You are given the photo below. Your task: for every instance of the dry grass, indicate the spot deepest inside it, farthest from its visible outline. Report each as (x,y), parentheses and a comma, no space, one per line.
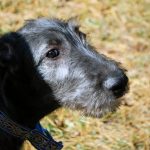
(120,29)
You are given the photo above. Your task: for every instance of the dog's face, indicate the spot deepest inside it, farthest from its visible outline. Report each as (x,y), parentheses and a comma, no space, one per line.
(80,78)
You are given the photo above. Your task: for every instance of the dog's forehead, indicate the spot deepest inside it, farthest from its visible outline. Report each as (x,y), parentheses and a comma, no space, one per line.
(38,34)
(40,30)
(41,33)
(38,25)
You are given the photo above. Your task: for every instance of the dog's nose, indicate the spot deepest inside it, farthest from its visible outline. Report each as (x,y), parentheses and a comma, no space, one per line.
(117,84)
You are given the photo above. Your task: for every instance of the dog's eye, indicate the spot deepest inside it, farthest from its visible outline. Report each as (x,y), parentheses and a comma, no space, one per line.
(52,53)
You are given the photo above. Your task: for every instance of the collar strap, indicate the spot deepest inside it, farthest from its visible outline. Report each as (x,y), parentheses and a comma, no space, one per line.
(39,137)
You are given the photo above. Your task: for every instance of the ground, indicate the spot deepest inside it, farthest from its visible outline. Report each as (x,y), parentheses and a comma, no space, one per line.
(119,29)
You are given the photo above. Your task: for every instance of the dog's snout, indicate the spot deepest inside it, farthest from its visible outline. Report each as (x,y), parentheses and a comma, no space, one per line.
(117,84)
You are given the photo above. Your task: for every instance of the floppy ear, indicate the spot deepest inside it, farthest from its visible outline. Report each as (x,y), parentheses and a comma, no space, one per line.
(8,46)
(5,54)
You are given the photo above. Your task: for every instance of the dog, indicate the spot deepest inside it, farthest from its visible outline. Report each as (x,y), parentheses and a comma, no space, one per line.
(47,64)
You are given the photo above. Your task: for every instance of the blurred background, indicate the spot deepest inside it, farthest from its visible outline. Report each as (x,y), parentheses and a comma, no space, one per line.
(121,30)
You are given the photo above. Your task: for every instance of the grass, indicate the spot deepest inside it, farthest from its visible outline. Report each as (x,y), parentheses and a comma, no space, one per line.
(119,29)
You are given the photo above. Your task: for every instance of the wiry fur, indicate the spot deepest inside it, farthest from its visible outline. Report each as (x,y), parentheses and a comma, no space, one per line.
(33,85)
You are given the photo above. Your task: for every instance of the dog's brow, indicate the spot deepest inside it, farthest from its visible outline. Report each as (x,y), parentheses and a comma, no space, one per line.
(55,41)
(69,33)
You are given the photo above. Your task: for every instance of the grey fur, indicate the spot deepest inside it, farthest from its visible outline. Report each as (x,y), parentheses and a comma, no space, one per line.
(79,74)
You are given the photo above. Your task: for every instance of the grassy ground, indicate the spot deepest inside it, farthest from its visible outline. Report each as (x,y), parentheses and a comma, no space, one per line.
(119,29)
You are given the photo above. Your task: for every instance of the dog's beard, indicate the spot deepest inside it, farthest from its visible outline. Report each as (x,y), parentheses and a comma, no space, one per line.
(91,104)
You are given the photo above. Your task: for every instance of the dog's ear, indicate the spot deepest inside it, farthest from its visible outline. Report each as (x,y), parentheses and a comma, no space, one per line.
(7,48)
(5,54)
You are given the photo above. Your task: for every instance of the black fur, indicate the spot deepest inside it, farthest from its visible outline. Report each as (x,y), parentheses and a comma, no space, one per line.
(26,95)
(22,90)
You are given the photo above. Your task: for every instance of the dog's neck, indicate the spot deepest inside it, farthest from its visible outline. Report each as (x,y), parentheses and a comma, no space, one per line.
(24,96)
(26,100)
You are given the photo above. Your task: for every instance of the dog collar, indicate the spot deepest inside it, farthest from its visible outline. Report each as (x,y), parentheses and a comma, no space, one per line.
(39,137)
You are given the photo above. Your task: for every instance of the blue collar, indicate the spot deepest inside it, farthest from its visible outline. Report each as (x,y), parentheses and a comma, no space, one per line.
(39,137)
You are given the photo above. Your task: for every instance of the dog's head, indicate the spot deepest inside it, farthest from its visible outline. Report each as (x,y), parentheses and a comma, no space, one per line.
(79,77)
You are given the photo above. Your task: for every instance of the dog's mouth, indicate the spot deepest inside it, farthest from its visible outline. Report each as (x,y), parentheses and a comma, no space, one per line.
(97,104)
(96,110)
(99,113)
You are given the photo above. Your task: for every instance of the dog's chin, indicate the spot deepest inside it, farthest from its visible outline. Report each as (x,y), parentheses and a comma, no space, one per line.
(97,114)
(101,111)
(96,109)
